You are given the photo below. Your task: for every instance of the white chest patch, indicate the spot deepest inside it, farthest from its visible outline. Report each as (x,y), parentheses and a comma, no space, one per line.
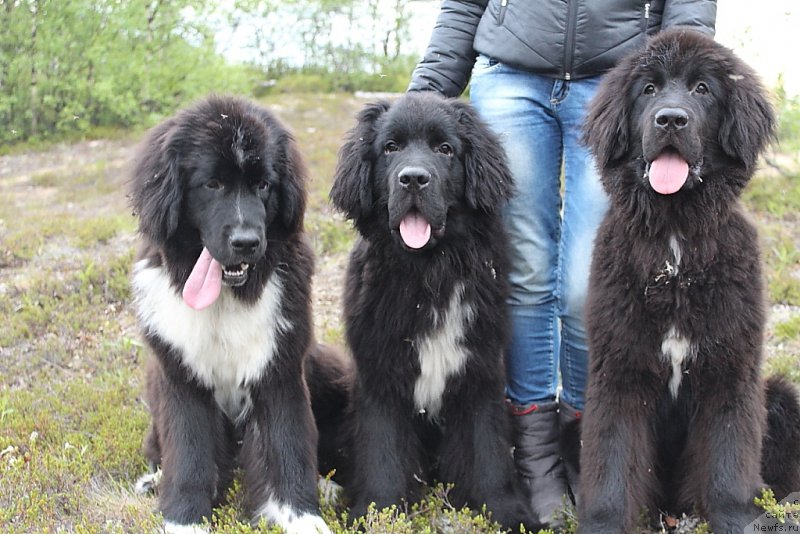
(675,247)
(673,264)
(226,346)
(442,352)
(676,349)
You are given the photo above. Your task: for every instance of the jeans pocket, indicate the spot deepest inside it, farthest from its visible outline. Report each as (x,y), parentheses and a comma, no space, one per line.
(484,65)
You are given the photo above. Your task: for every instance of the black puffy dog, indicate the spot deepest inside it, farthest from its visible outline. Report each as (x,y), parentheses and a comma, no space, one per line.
(676,411)
(423,180)
(222,289)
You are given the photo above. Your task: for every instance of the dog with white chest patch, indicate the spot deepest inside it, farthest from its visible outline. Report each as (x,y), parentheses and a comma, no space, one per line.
(222,293)
(423,180)
(678,417)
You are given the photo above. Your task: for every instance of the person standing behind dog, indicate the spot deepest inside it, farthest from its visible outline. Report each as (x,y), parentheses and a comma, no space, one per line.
(534,65)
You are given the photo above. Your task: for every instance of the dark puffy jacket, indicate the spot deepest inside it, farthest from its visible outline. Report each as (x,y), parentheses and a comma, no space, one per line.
(567,39)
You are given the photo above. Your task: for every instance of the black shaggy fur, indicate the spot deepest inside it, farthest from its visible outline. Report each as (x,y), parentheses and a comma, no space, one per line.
(220,169)
(434,156)
(700,450)
(330,375)
(782,439)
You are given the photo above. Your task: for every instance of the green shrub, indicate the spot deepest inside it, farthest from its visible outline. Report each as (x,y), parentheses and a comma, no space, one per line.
(388,76)
(788,109)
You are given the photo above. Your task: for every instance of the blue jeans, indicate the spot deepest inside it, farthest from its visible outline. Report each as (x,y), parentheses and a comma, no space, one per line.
(551,227)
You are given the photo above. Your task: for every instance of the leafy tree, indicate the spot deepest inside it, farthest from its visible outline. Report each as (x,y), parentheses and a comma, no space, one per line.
(67,66)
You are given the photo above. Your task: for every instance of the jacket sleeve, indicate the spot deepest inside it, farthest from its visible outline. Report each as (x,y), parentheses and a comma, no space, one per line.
(698,14)
(448,60)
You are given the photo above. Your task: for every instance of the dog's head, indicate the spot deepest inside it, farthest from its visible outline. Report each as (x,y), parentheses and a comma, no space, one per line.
(414,165)
(223,175)
(683,111)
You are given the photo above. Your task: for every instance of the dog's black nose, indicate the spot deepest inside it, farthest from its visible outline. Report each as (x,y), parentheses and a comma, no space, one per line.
(244,240)
(414,177)
(672,119)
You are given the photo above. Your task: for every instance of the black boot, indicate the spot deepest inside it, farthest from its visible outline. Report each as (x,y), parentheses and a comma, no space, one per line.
(538,460)
(569,426)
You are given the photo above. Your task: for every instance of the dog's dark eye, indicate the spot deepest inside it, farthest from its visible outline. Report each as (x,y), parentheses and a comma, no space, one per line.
(701,88)
(214,184)
(263,185)
(649,89)
(390,147)
(445,149)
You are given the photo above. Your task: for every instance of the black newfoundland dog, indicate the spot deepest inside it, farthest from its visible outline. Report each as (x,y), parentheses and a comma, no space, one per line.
(676,409)
(222,292)
(423,180)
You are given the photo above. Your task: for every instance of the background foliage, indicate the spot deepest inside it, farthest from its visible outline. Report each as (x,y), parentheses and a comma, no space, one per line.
(69,66)
(73,67)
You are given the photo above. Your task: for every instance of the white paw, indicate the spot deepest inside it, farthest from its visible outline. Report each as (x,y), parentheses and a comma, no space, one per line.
(306,524)
(174,528)
(290,521)
(147,483)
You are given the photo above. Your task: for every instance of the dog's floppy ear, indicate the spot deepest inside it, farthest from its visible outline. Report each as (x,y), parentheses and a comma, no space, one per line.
(748,119)
(607,125)
(488,179)
(352,181)
(292,171)
(156,192)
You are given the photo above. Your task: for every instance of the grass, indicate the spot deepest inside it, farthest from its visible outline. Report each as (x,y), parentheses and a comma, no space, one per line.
(784,364)
(775,200)
(775,194)
(66,303)
(71,364)
(788,330)
(95,133)
(782,261)
(62,444)
(70,207)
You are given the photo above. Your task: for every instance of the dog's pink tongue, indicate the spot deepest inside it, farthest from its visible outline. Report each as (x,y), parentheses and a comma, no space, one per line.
(204,283)
(415,230)
(668,173)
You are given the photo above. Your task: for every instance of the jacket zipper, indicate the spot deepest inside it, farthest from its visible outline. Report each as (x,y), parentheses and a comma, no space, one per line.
(646,15)
(569,49)
(502,15)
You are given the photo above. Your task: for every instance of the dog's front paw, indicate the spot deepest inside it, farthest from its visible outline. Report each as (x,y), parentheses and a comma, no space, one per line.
(290,520)
(307,524)
(147,483)
(174,528)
